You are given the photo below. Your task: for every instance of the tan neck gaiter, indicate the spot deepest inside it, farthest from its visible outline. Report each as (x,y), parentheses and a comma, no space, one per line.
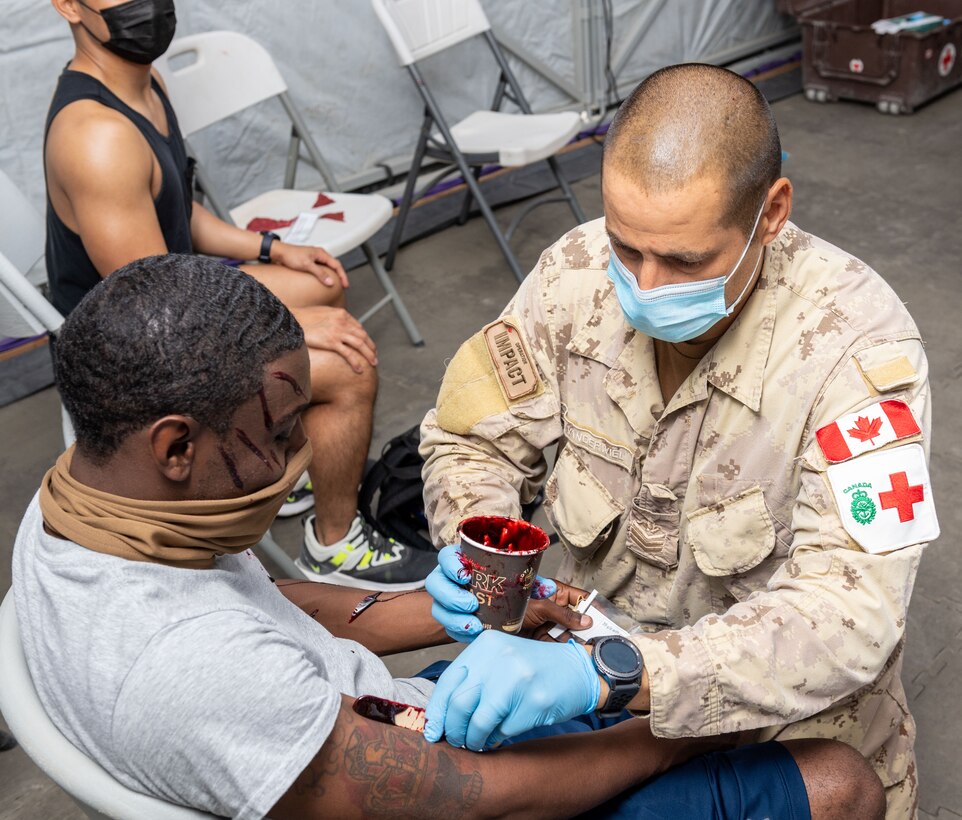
(175,533)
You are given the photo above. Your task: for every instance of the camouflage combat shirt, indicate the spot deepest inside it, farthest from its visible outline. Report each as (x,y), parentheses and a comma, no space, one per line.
(710,520)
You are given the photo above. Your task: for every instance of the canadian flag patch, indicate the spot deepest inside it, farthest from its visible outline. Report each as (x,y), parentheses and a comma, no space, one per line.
(867,429)
(885,499)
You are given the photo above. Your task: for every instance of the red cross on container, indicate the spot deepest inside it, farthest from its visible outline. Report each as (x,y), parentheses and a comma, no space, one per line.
(902,496)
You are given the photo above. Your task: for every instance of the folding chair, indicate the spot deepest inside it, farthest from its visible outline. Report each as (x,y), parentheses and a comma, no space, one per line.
(21,245)
(22,233)
(231,72)
(421,28)
(96,791)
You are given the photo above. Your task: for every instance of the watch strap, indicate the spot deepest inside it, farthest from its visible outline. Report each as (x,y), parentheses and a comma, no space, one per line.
(619,696)
(267,239)
(621,689)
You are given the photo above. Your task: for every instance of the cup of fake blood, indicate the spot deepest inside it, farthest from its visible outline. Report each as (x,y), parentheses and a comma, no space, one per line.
(503,556)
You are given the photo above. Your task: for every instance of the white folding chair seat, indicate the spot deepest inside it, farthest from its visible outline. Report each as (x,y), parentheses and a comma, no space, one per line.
(91,786)
(421,28)
(514,139)
(364,215)
(231,72)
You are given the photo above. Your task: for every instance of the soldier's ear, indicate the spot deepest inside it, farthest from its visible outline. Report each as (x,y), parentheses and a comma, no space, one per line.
(778,209)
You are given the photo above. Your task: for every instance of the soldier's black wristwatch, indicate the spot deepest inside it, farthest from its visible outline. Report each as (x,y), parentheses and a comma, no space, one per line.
(267,240)
(619,662)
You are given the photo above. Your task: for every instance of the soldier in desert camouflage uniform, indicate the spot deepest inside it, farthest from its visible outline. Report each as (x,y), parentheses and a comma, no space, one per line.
(690,486)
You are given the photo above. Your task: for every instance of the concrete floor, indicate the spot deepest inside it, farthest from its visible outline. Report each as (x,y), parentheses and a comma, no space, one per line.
(884,188)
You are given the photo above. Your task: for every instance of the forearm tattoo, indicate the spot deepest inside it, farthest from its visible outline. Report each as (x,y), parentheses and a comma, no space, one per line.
(393,773)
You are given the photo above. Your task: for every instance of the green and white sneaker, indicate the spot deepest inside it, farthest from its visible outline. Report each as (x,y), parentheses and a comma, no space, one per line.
(300,500)
(364,559)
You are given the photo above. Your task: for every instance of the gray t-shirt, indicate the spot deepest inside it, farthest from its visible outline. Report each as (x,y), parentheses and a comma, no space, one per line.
(206,688)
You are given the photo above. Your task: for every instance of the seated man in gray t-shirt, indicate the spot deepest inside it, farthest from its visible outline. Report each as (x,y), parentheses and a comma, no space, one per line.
(160,646)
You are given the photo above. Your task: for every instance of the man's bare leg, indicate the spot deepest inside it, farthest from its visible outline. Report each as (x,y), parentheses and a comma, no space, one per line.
(839,781)
(295,288)
(340,418)
(339,424)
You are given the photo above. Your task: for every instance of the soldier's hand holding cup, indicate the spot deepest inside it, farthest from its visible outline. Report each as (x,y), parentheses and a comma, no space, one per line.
(454,604)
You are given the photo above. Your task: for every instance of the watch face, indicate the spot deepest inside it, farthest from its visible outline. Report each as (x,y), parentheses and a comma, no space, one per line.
(618,656)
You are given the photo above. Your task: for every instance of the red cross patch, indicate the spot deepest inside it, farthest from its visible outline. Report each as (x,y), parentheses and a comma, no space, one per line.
(884,498)
(902,497)
(947,60)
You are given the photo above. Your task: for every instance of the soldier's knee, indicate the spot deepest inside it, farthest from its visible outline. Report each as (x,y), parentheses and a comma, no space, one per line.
(838,780)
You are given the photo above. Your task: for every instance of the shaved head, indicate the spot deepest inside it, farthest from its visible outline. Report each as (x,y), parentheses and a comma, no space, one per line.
(695,121)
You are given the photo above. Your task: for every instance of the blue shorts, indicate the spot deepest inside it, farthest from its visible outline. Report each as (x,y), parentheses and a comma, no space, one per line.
(750,783)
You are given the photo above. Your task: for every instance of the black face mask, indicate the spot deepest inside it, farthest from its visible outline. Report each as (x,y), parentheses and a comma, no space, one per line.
(140,30)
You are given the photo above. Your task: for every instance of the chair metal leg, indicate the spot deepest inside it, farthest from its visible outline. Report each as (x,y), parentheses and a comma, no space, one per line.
(527,209)
(284,562)
(475,187)
(408,199)
(566,188)
(468,200)
(395,298)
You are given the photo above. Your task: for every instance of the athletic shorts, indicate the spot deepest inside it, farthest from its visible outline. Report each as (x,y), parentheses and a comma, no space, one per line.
(758,782)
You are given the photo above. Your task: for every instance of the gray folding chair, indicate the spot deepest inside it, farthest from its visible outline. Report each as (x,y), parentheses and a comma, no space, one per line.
(22,239)
(214,75)
(420,28)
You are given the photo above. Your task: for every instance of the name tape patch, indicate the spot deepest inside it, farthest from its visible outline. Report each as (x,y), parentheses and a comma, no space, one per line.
(885,499)
(867,429)
(599,445)
(511,360)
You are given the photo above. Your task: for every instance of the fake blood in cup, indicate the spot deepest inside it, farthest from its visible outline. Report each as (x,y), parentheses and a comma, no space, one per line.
(503,556)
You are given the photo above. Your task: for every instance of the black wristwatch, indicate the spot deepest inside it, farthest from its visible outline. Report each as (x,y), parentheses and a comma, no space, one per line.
(619,662)
(267,240)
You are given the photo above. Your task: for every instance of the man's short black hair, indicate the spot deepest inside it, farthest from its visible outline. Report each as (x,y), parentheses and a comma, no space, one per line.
(693,119)
(173,334)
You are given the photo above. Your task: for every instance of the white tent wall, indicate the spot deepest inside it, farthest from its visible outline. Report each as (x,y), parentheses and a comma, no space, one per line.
(342,72)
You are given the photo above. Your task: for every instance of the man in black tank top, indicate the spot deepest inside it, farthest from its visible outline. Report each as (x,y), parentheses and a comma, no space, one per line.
(119,189)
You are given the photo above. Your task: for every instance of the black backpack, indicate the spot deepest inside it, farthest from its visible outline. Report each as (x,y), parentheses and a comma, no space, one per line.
(391,497)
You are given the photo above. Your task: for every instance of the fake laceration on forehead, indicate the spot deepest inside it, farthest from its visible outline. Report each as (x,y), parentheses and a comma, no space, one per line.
(287,377)
(231,468)
(268,418)
(245,440)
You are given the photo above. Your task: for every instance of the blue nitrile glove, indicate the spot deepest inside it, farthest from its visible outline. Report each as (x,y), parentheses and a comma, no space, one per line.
(453,604)
(503,685)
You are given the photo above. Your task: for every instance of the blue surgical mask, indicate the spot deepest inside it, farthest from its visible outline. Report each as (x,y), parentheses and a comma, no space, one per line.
(679,312)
